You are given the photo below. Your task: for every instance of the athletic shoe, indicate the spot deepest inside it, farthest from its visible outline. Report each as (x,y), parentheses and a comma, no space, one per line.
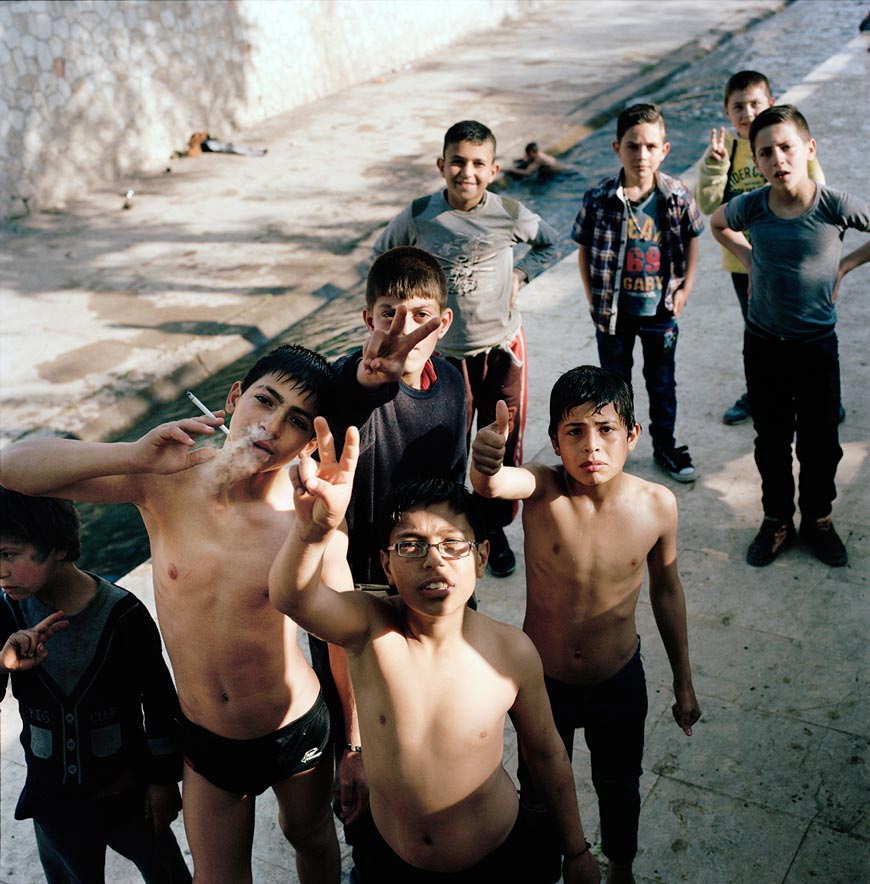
(677,463)
(739,412)
(820,536)
(773,536)
(502,560)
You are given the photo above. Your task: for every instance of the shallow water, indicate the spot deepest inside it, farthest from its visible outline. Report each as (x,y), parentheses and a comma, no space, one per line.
(785,47)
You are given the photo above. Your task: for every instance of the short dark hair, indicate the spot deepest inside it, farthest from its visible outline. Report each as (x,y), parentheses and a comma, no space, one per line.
(773,116)
(636,114)
(589,383)
(468,130)
(309,371)
(743,80)
(427,493)
(49,523)
(532,147)
(406,272)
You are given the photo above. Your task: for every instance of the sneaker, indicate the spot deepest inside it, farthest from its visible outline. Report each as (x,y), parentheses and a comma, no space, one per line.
(772,537)
(739,412)
(820,536)
(502,560)
(677,463)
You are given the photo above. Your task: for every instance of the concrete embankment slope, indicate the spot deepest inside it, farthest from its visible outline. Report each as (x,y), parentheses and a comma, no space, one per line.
(107,310)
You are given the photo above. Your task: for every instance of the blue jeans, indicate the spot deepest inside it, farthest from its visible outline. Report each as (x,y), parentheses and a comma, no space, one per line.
(72,847)
(658,339)
(794,387)
(612,715)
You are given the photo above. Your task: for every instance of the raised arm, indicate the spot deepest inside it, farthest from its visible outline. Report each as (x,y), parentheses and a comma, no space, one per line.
(712,173)
(103,472)
(669,607)
(733,240)
(488,475)
(321,495)
(548,762)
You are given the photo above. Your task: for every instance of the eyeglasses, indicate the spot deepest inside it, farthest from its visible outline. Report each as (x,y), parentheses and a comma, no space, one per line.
(418,549)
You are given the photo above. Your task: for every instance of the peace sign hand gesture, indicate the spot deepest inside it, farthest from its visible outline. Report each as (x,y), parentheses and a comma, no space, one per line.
(322,490)
(717,151)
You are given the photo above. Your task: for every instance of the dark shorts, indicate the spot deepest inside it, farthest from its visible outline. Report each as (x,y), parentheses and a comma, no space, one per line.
(249,767)
(512,862)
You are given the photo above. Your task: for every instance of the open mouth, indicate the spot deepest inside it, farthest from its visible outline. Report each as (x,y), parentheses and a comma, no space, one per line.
(434,588)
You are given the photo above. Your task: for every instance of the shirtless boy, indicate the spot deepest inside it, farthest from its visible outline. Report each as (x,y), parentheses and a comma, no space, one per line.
(434,680)
(589,527)
(253,713)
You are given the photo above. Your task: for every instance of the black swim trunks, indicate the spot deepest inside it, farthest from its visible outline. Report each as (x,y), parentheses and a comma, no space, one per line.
(249,767)
(512,862)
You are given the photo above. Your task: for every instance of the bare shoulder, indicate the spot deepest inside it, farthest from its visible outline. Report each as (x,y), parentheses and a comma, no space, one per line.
(514,649)
(657,500)
(549,482)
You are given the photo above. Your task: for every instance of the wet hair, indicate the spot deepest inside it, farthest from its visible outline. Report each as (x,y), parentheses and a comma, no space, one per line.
(406,272)
(468,130)
(425,493)
(532,147)
(773,116)
(48,523)
(743,80)
(309,371)
(589,383)
(636,114)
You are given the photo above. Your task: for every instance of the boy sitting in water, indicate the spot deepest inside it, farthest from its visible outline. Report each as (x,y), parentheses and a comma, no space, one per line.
(86,666)
(253,714)
(434,680)
(589,530)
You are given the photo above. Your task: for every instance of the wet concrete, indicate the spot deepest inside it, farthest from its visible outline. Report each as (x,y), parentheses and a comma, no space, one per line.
(773,786)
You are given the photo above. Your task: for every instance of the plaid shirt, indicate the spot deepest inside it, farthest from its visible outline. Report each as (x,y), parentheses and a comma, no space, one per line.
(600,226)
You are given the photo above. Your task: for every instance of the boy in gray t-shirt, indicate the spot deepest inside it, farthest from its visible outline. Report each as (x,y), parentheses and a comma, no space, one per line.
(790,346)
(472,233)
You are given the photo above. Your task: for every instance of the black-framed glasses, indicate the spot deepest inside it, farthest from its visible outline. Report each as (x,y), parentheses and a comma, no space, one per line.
(419,549)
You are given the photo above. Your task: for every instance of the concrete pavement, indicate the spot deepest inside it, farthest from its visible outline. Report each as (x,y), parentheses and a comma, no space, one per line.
(773,786)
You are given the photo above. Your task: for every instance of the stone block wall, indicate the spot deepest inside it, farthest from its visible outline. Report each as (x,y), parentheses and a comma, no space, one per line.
(91,90)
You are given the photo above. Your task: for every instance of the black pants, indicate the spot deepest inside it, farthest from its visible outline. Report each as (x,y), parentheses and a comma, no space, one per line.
(72,848)
(612,715)
(794,387)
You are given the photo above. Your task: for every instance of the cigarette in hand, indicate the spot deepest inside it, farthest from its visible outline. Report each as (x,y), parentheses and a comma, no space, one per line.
(207,412)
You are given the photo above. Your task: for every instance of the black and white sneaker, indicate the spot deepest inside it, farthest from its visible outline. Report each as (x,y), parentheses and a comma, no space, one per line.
(677,463)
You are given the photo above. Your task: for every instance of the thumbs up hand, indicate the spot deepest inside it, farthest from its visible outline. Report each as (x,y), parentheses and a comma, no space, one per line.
(488,448)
